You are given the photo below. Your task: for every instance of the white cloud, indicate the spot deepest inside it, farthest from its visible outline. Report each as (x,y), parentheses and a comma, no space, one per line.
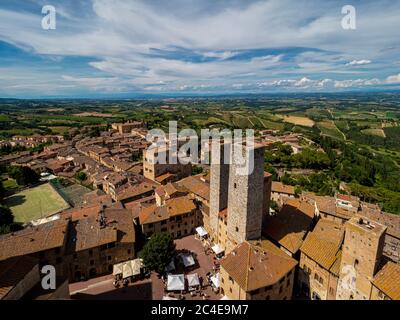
(393,79)
(358,62)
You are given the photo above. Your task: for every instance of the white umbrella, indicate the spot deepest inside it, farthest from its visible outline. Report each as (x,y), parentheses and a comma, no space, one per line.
(117,269)
(215,280)
(193,280)
(217,249)
(201,231)
(136,266)
(187,260)
(176,282)
(127,270)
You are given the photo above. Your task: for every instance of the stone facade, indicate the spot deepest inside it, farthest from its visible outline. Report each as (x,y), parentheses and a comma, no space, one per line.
(219,182)
(362,252)
(245,198)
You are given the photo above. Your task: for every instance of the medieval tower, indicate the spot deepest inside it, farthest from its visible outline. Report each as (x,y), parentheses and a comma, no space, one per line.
(219,182)
(361,256)
(246,197)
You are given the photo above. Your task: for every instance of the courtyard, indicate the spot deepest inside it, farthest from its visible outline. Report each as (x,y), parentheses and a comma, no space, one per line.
(152,288)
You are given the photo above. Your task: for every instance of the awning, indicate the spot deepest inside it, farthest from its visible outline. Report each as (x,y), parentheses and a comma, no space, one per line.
(217,249)
(127,270)
(168,298)
(215,280)
(224,298)
(176,282)
(136,266)
(193,280)
(187,260)
(170,267)
(201,231)
(117,269)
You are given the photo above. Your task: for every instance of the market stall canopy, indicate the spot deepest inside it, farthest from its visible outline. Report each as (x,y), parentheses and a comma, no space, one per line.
(215,280)
(201,231)
(187,260)
(127,270)
(136,266)
(169,298)
(117,269)
(217,249)
(224,298)
(193,280)
(176,282)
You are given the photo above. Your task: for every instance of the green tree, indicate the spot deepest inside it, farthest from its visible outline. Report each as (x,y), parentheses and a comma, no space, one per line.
(196,170)
(6,216)
(158,252)
(81,176)
(23,175)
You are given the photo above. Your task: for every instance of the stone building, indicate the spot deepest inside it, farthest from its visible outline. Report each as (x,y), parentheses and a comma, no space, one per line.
(127,127)
(281,190)
(158,167)
(288,228)
(219,182)
(45,242)
(245,197)
(17,276)
(320,261)
(99,241)
(178,216)
(361,257)
(257,270)
(386,284)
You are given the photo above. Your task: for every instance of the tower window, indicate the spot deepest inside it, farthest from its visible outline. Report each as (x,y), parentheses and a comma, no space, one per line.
(237,229)
(235,185)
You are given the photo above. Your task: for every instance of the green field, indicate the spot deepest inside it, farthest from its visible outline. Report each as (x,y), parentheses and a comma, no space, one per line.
(329,128)
(35,203)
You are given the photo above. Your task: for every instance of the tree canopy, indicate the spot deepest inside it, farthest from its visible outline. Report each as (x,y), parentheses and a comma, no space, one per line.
(158,252)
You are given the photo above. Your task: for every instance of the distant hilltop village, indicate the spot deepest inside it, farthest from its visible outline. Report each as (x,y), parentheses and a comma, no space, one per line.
(318,247)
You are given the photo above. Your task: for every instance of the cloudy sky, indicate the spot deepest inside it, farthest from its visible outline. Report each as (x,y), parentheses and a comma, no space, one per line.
(128,47)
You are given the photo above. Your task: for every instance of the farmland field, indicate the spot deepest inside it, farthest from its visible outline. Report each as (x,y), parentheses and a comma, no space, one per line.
(329,128)
(374,132)
(35,203)
(301,121)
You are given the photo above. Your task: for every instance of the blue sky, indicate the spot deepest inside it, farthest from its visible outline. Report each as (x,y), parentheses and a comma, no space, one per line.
(121,47)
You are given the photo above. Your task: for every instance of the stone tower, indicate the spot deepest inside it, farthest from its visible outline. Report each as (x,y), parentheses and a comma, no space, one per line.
(246,199)
(361,255)
(219,182)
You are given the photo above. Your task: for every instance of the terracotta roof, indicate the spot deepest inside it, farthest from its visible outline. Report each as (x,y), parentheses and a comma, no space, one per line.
(164,176)
(181,205)
(172,207)
(279,187)
(290,226)
(13,270)
(258,264)
(392,221)
(87,233)
(136,190)
(197,185)
(387,280)
(323,244)
(172,189)
(34,239)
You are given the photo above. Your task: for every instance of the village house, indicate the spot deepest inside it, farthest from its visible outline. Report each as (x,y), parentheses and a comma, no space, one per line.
(99,241)
(257,270)
(278,190)
(178,216)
